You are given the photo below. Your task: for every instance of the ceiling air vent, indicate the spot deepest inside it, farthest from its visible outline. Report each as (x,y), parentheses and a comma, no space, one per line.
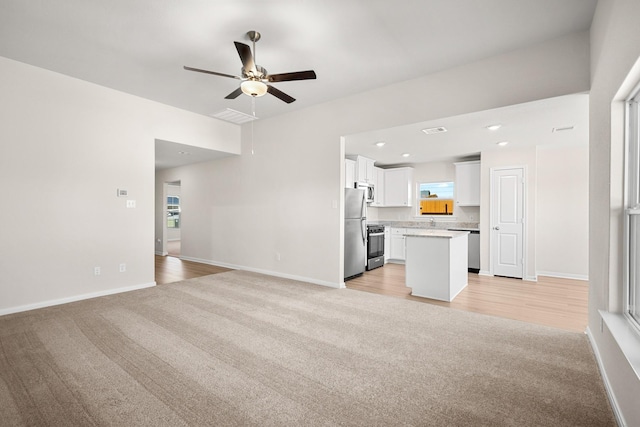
(233,116)
(561,129)
(431,131)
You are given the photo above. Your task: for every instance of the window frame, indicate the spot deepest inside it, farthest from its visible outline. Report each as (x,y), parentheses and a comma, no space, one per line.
(173,207)
(419,198)
(631,259)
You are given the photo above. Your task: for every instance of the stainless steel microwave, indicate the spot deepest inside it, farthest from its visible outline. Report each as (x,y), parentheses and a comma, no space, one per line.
(369,190)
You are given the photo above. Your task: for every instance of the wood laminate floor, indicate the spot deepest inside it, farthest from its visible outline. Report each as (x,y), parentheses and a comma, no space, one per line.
(560,303)
(171,269)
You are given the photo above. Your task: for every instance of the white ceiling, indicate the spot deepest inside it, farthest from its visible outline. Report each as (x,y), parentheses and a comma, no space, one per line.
(171,154)
(523,125)
(140,46)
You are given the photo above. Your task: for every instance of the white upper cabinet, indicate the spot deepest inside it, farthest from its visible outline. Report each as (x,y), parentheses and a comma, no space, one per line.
(468,183)
(378,197)
(349,173)
(398,184)
(364,169)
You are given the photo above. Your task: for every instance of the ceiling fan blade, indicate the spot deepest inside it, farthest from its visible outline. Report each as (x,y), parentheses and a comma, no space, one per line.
(297,75)
(233,95)
(211,72)
(247,58)
(280,94)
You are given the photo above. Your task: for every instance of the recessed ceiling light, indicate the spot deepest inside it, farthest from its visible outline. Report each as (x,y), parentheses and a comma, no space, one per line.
(184,153)
(380,144)
(438,129)
(502,143)
(494,127)
(405,154)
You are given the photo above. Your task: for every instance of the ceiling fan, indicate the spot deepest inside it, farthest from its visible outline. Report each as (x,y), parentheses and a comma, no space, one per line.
(254,79)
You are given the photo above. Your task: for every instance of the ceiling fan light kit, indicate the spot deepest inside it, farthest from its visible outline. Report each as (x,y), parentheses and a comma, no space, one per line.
(253,87)
(254,79)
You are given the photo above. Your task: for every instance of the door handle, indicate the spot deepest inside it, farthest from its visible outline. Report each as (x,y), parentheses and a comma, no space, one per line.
(496,228)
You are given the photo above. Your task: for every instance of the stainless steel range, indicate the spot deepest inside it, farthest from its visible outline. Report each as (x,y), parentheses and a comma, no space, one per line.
(375,246)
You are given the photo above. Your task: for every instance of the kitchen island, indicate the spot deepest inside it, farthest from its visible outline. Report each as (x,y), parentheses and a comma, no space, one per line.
(436,263)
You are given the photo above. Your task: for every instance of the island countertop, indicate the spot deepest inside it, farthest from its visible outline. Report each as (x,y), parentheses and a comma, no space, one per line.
(447,234)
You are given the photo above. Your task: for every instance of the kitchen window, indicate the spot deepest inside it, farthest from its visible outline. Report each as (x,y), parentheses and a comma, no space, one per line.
(632,211)
(436,198)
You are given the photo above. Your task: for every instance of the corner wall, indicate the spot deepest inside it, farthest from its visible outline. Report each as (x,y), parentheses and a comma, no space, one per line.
(615,41)
(562,212)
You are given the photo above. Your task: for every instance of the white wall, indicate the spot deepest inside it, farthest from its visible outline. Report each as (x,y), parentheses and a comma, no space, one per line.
(67,146)
(562,212)
(615,41)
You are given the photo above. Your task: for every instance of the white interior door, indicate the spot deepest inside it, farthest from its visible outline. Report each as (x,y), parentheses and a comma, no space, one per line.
(507,222)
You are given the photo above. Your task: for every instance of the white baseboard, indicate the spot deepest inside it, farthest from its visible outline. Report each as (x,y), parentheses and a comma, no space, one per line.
(563,275)
(607,385)
(261,271)
(484,273)
(74,298)
(162,253)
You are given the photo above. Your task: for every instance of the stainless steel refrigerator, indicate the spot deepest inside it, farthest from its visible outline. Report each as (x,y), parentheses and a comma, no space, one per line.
(355,232)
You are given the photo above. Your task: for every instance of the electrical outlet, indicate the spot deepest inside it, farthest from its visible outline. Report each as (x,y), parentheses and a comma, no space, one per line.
(278,256)
(96,271)
(131,203)
(123,268)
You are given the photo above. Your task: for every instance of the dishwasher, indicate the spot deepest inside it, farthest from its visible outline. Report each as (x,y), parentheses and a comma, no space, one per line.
(473,248)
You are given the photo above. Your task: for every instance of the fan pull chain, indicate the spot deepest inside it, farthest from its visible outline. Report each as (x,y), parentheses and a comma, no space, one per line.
(253,111)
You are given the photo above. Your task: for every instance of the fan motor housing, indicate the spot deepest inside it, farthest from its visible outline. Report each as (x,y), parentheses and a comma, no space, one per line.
(260,75)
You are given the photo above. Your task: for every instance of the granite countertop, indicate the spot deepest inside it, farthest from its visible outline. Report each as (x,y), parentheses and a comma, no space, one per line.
(435,233)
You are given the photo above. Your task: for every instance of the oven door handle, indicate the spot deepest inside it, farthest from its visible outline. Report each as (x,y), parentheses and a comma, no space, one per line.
(376,234)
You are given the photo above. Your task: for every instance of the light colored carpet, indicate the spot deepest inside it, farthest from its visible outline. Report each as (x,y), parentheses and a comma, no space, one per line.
(238,348)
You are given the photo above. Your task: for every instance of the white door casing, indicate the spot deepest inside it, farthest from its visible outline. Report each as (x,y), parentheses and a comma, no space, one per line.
(507,222)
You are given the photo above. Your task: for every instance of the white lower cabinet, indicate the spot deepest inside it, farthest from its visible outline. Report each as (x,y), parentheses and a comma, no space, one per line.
(397,244)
